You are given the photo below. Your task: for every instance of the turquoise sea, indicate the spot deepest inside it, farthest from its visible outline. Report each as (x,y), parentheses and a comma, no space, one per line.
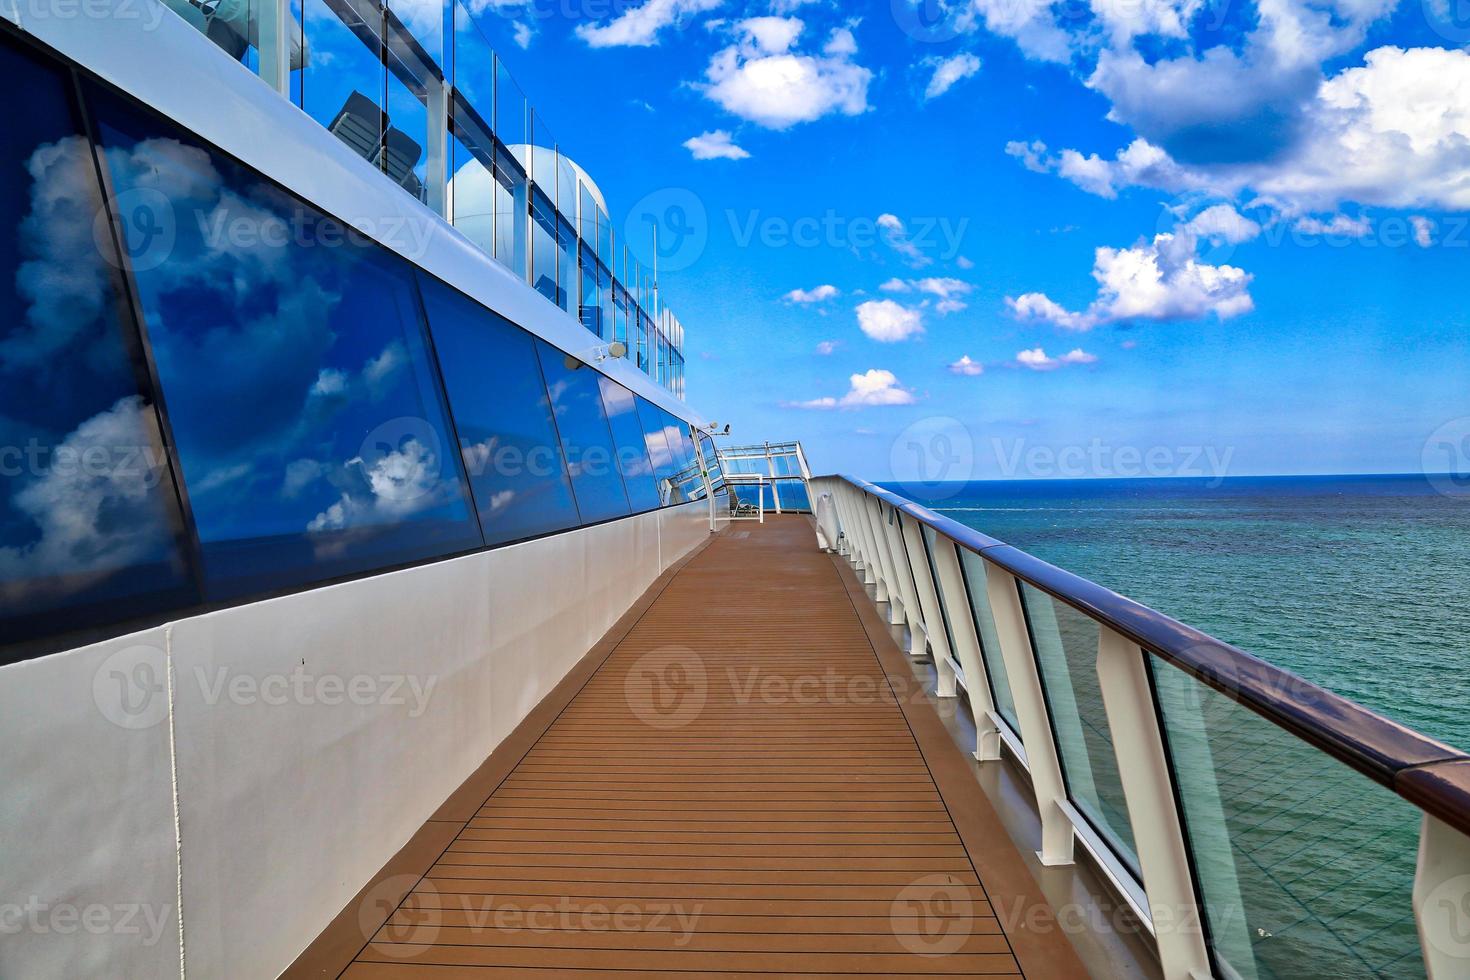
(1358,583)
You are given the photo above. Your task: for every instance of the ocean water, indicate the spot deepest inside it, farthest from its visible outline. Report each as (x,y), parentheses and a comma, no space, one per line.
(1361,584)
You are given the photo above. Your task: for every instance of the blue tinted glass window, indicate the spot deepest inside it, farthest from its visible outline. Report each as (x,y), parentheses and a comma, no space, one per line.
(632,447)
(304,406)
(711,461)
(89,519)
(660,454)
(544,251)
(586,440)
(503,418)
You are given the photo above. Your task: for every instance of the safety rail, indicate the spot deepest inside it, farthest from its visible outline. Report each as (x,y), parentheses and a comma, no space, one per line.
(784,466)
(1248,849)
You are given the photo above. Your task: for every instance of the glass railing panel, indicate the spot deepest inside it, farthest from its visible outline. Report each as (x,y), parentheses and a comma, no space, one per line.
(931,542)
(233,25)
(792,494)
(474,64)
(973,568)
(544,249)
(1305,867)
(344,83)
(411,74)
(472,189)
(1065,642)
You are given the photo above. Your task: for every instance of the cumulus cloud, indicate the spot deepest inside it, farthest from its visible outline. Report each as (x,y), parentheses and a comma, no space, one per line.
(889,322)
(764,79)
(1391,132)
(817,294)
(1037,360)
(716,144)
(967,367)
(641,26)
(949,72)
(401,482)
(874,387)
(1159,280)
(1222,223)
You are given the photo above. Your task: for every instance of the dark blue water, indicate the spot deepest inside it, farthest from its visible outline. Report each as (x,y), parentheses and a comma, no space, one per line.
(1359,583)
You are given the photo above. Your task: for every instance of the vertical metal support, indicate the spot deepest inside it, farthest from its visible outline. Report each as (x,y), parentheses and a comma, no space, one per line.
(903,577)
(858,531)
(1057,835)
(273,37)
(885,559)
(1442,899)
(967,648)
(926,591)
(882,586)
(436,164)
(1148,788)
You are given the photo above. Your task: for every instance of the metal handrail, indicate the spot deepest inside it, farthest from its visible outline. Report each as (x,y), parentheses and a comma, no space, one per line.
(920,578)
(1428,773)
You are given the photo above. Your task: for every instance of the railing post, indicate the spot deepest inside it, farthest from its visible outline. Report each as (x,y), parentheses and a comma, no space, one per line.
(1148,788)
(436,162)
(927,593)
(857,516)
(967,648)
(898,599)
(1442,899)
(903,575)
(886,590)
(273,41)
(1057,836)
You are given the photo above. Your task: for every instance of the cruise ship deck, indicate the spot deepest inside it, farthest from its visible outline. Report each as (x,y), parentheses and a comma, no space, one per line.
(738,781)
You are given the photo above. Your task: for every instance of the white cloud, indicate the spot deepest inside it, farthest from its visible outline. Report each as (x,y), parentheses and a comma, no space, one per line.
(874,387)
(640,26)
(1391,132)
(1037,360)
(1423,230)
(716,144)
(827,347)
(967,367)
(523,34)
(948,72)
(896,236)
(817,294)
(763,79)
(1158,280)
(888,322)
(896,285)
(964,263)
(945,289)
(1338,226)
(1222,223)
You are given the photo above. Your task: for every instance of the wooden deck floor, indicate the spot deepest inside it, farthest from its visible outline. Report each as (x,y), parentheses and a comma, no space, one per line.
(736,791)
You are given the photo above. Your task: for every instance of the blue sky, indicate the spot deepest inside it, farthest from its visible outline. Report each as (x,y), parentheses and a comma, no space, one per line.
(997,238)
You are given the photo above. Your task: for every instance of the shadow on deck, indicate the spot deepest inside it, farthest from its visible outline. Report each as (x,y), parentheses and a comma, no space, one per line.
(742,779)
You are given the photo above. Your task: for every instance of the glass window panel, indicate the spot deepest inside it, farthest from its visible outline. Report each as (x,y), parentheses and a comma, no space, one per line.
(566,264)
(632,446)
(586,440)
(344,84)
(89,521)
(305,410)
(973,567)
(543,248)
(661,445)
(1306,868)
(711,461)
(1065,642)
(793,494)
(503,418)
(590,312)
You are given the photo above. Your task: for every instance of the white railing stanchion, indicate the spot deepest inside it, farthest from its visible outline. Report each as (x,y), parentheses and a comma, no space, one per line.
(967,648)
(1057,836)
(1148,788)
(1442,899)
(903,576)
(885,590)
(926,591)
